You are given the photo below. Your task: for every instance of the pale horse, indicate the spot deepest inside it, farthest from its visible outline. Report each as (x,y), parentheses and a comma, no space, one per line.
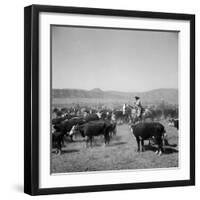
(134,116)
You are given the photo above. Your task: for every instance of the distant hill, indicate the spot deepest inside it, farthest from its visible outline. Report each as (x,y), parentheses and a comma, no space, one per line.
(153,96)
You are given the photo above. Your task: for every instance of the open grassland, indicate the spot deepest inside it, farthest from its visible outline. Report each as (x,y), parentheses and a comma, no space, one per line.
(118,155)
(69,102)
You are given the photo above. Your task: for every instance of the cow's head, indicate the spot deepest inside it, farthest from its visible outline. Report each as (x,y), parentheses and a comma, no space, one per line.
(72,131)
(132,127)
(99,114)
(171,122)
(78,129)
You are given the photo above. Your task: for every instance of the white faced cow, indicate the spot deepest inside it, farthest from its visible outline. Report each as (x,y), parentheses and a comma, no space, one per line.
(174,123)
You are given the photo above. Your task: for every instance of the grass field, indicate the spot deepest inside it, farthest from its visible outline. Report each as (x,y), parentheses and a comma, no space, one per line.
(119,154)
(69,102)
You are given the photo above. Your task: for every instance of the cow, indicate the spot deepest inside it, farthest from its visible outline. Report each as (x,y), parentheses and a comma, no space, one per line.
(66,125)
(174,122)
(92,117)
(94,128)
(118,116)
(58,120)
(63,129)
(112,128)
(149,130)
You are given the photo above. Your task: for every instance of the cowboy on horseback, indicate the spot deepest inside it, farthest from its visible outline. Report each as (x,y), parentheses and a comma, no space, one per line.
(138,105)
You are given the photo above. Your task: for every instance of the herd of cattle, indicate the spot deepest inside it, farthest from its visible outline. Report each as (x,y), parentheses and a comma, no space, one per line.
(89,125)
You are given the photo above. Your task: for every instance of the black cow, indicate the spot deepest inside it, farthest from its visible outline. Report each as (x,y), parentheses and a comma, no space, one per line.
(62,129)
(66,125)
(118,115)
(91,117)
(174,122)
(149,130)
(66,128)
(94,128)
(58,120)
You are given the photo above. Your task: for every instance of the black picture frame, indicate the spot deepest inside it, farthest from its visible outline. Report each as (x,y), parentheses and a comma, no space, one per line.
(31,98)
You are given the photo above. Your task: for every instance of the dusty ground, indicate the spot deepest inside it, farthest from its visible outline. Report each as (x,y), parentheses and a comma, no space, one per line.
(119,154)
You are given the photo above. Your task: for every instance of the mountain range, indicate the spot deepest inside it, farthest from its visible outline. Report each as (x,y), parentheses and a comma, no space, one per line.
(153,96)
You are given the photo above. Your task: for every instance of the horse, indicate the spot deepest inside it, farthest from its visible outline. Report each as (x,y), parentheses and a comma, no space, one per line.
(132,114)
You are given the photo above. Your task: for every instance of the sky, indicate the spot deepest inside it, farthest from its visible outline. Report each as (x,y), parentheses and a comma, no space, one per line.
(113,59)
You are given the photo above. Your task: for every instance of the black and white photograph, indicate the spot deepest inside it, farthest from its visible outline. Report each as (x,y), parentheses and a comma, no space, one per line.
(114,99)
(109,99)
(99,100)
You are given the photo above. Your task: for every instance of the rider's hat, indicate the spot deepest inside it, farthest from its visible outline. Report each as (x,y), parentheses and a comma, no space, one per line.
(136,97)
